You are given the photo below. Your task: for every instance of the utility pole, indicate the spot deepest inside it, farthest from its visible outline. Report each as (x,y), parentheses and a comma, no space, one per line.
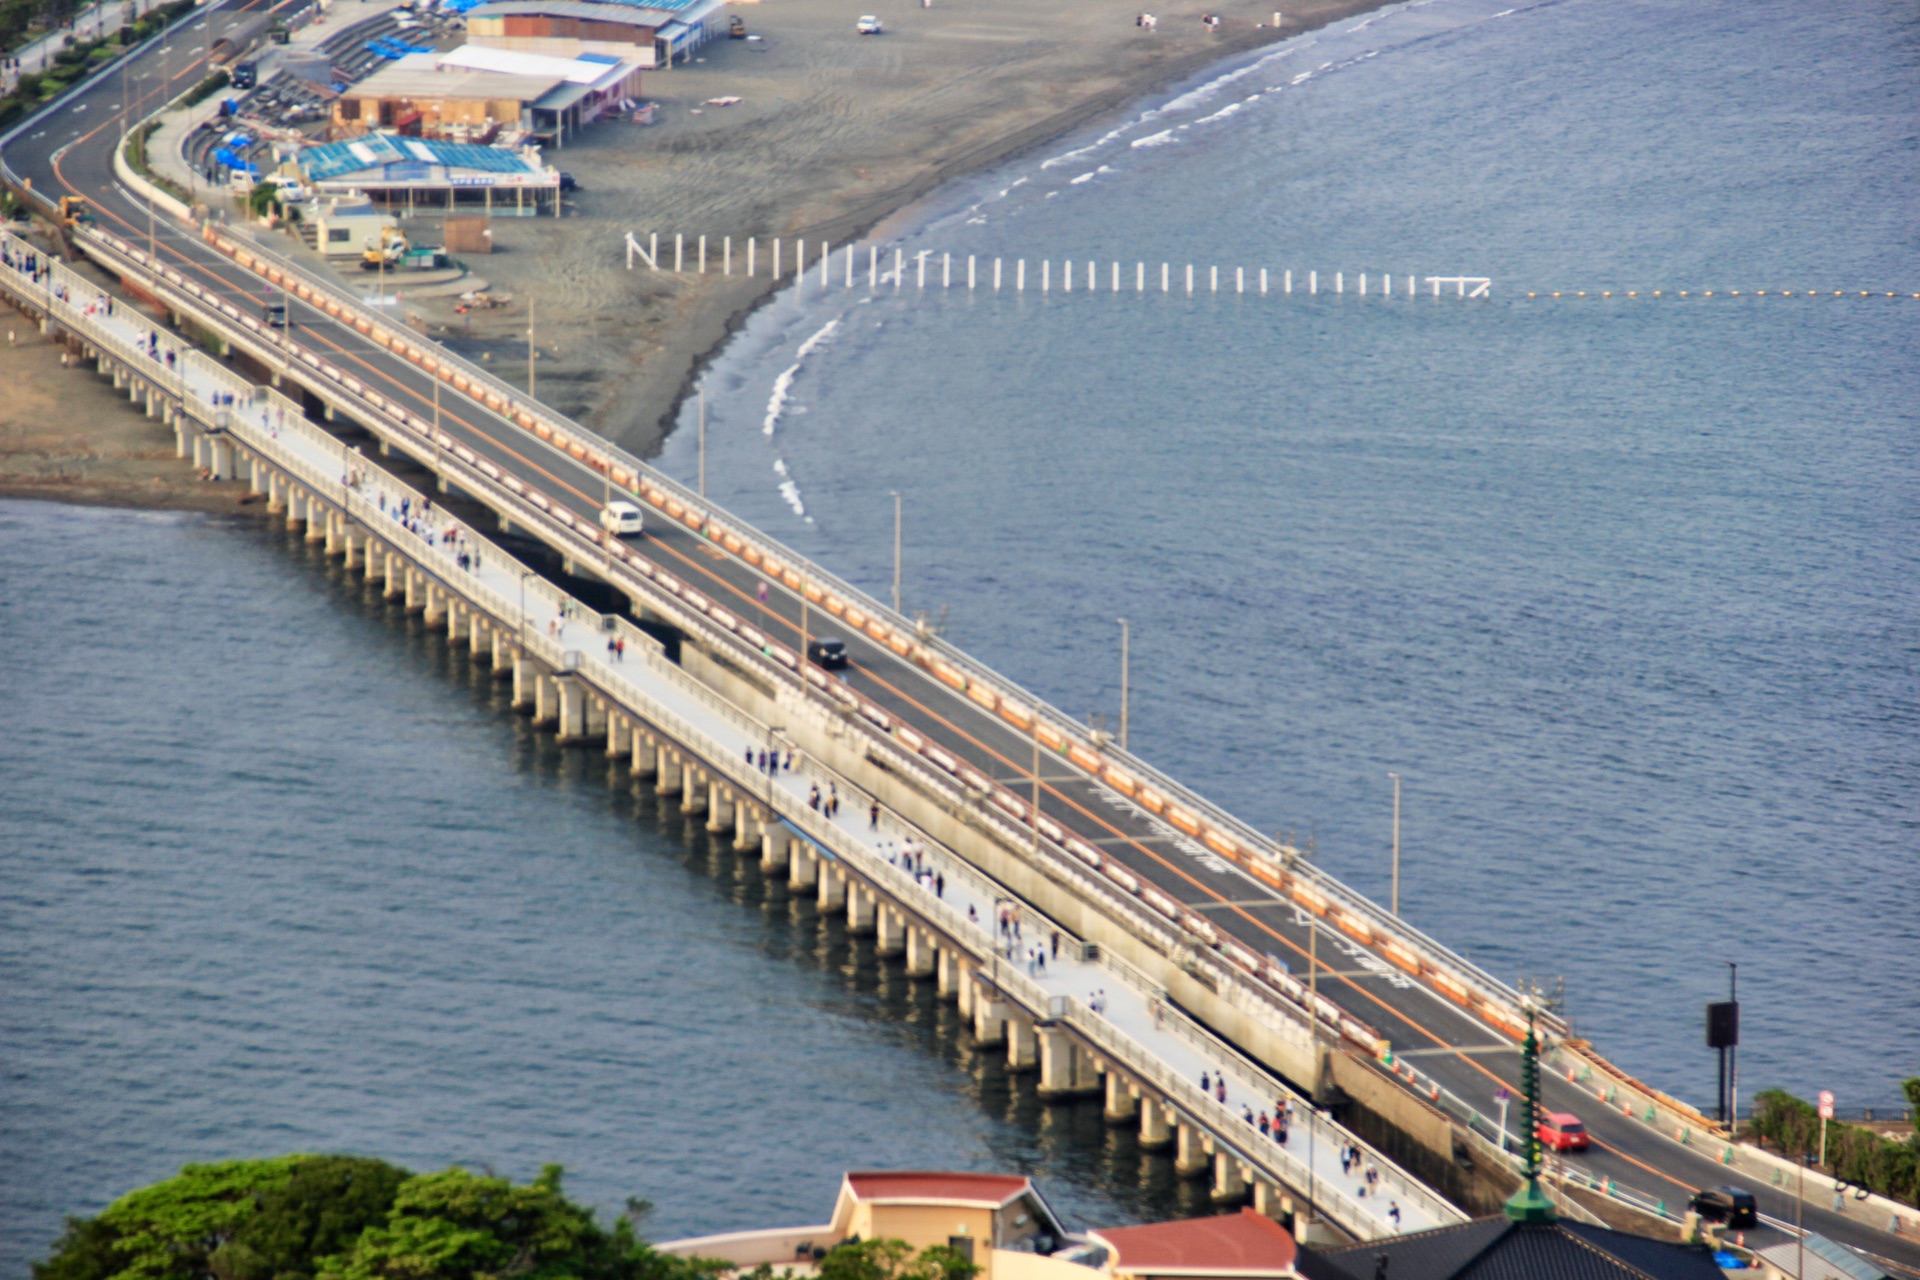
(1396,844)
(1733,1055)
(1126,637)
(702,388)
(530,350)
(1035,815)
(896,551)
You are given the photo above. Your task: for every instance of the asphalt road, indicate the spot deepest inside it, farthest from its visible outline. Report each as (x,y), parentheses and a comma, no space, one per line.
(72,152)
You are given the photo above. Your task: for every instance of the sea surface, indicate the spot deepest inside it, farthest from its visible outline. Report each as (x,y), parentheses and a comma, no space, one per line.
(1627,590)
(282,872)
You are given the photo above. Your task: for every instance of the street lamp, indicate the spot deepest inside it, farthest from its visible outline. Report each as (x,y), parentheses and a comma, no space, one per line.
(896,551)
(702,389)
(1396,844)
(1125,662)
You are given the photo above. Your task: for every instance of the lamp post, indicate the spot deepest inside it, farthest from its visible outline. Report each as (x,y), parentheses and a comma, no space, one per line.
(702,389)
(1733,1056)
(773,763)
(896,551)
(1126,638)
(1396,844)
(530,351)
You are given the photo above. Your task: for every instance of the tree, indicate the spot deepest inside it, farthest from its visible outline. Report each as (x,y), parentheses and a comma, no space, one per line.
(322,1210)
(1911,1087)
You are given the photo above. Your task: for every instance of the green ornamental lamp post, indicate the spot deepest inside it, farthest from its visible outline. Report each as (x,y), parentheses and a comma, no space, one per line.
(1530,1203)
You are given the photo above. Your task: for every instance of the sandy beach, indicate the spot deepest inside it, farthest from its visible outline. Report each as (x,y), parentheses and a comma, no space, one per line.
(834,133)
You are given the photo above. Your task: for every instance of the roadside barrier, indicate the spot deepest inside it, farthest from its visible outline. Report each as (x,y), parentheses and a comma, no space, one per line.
(935,270)
(1675,294)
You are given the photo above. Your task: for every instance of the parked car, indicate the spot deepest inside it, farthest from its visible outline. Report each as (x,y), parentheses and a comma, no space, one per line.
(1729,1205)
(868,25)
(827,652)
(275,314)
(1562,1131)
(621,518)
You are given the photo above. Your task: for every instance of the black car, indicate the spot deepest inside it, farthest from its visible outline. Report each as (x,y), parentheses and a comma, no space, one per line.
(1729,1205)
(827,652)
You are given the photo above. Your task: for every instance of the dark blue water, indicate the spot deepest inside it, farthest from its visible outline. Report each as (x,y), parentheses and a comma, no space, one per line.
(283,873)
(1624,590)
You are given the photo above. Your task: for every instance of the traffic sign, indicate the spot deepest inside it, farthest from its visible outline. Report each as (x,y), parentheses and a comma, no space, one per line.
(1502,1094)
(1826,1105)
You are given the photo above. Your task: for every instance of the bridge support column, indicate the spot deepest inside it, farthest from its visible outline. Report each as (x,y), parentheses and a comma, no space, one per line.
(1156,1132)
(416,589)
(947,974)
(989,1015)
(1229,1182)
(433,602)
(830,888)
(1023,1052)
(922,953)
(502,655)
(596,716)
(202,452)
(1056,1063)
(1123,1099)
(479,635)
(183,434)
(666,772)
(223,459)
(458,631)
(693,789)
(889,937)
(860,908)
(1191,1157)
(746,825)
(646,754)
(1270,1201)
(719,807)
(546,700)
(526,679)
(619,731)
(803,866)
(570,710)
(356,552)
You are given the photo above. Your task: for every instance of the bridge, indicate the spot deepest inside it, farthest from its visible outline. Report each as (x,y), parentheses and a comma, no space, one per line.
(1254,959)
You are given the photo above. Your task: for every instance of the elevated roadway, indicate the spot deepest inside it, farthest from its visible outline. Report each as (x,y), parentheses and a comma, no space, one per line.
(1463,1049)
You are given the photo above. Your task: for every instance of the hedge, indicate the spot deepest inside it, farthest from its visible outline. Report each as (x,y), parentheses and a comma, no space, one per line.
(1854,1155)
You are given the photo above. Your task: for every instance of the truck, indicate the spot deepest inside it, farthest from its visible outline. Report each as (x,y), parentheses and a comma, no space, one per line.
(245,75)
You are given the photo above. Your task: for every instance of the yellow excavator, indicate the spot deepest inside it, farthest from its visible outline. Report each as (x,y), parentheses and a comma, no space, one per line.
(386,251)
(74,211)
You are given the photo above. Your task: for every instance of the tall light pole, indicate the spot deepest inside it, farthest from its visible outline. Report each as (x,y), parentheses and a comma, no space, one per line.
(1126,637)
(1733,1055)
(896,551)
(1396,843)
(530,350)
(703,437)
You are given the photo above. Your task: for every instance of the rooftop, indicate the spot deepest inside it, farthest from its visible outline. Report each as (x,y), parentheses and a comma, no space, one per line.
(1238,1244)
(988,1189)
(336,159)
(1500,1249)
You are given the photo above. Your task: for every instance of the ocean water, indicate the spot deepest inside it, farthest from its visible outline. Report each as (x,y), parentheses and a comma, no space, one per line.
(1624,589)
(281,872)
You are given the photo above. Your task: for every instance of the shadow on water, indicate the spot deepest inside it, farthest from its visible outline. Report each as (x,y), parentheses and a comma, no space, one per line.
(1071,1139)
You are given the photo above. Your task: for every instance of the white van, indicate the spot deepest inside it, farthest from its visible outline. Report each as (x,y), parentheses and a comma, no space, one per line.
(620,518)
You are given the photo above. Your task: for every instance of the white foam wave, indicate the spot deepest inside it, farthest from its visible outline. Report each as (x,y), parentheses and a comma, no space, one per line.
(1159,139)
(790,491)
(783,385)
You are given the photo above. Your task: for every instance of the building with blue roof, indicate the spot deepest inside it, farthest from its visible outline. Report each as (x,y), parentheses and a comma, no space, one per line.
(414,175)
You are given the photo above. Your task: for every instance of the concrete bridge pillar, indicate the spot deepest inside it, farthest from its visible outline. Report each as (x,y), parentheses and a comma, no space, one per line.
(830,888)
(1023,1049)
(355,556)
(989,1015)
(776,850)
(202,451)
(316,517)
(746,825)
(1156,1131)
(149,409)
(802,867)
(1056,1063)
(433,602)
(666,771)
(860,908)
(502,654)
(223,459)
(256,473)
(1123,1099)
(183,434)
(479,634)
(392,574)
(570,710)
(299,505)
(416,589)
(1229,1179)
(546,700)
(596,712)
(720,807)
(1191,1157)
(889,938)
(922,953)
(1269,1201)
(456,622)
(646,754)
(693,789)
(619,735)
(946,979)
(525,679)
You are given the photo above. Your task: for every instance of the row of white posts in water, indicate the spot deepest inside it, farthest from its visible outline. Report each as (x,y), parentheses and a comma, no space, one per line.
(972,273)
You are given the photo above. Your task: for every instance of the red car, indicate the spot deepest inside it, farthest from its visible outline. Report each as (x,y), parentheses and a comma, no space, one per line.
(1562,1131)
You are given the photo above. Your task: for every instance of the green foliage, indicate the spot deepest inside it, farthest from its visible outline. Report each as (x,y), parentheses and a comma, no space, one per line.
(1911,1087)
(895,1260)
(205,89)
(1854,1155)
(307,1217)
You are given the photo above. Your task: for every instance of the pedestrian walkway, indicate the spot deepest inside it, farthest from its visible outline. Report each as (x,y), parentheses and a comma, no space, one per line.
(1115,1006)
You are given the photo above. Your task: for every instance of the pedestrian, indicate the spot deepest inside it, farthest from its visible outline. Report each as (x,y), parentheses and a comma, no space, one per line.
(1206,1082)
(813,796)
(873,816)
(1265,1125)
(1393,1212)
(1056,944)
(1220,1088)
(939,885)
